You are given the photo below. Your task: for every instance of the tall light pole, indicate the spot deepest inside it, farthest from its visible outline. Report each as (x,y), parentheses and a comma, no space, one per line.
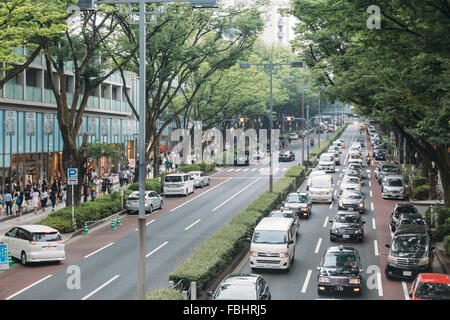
(90,5)
(269,67)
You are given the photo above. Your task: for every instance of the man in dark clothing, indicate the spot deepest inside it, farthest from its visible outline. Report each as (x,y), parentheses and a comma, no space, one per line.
(53,199)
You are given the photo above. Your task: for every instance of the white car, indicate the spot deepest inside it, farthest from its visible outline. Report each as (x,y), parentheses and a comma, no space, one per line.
(313,174)
(178,184)
(200,179)
(321,189)
(327,162)
(35,243)
(152,201)
(293,136)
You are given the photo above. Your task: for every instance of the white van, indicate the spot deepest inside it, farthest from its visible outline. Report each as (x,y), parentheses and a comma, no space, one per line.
(327,162)
(273,244)
(321,189)
(178,184)
(35,243)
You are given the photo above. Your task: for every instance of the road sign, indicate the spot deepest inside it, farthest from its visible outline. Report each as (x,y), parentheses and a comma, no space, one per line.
(4,263)
(72,176)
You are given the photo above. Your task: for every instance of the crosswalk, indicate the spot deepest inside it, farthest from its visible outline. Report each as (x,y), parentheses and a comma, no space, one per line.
(264,169)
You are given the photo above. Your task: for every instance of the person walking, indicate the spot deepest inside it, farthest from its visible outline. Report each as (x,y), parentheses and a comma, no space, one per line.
(121,177)
(19,202)
(35,200)
(85,192)
(8,202)
(44,198)
(53,199)
(27,197)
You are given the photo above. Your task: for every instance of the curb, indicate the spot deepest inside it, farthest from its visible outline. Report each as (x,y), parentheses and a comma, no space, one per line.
(442,260)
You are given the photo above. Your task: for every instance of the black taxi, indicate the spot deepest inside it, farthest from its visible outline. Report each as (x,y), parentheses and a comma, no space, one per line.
(340,271)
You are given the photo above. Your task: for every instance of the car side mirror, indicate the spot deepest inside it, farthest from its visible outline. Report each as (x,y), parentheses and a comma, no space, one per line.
(388,245)
(7,234)
(210,293)
(290,242)
(330,220)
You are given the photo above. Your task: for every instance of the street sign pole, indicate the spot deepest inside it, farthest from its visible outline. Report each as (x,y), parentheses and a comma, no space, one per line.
(72,180)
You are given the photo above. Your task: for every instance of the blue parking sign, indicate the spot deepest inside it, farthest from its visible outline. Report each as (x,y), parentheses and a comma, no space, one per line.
(72,176)
(4,263)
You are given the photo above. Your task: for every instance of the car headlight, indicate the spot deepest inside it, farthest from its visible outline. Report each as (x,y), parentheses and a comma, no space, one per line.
(324,280)
(334,230)
(391,259)
(341,204)
(305,209)
(424,261)
(253,253)
(357,231)
(357,188)
(284,254)
(355,281)
(361,205)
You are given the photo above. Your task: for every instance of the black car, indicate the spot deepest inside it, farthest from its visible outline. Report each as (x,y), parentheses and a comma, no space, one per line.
(410,252)
(287,213)
(300,203)
(242,160)
(340,271)
(286,155)
(380,154)
(380,146)
(399,209)
(347,226)
(411,218)
(242,287)
(351,200)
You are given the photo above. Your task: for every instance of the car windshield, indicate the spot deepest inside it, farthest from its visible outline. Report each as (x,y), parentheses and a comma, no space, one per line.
(355,156)
(416,221)
(269,236)
(352,195)
(433,291)
(347,218)
(351,180)
(173,179)
(395,183)
(389,169)
(410,244)
(46,236)
(320,183)
(326,157)
(235,292)
(406,209)
(294,198)
(340,261)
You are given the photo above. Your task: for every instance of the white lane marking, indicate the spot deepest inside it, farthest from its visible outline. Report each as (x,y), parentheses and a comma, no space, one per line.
(370,184)
(368,175)
(200,195)
(335,192)
(368,170)
(230,170)
(245,169)
(325,222)
(188,227)
(235,195)
(238,170)
(318,245)
(305,284)
(375,245)
(380,285)
(31,285)
(100,288)
(150,222)
(92,253)
(371,206)
(374,226)
(370,193)
(254,169)
(262,169)
(331,204)
(405,290)
(152,252)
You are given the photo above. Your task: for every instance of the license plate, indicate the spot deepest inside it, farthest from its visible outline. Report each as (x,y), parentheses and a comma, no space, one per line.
(346,236)
(407,273)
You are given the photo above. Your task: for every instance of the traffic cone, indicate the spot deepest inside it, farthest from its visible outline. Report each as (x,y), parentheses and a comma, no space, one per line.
(10,260)
(86,231)
(113,227)
(118,221)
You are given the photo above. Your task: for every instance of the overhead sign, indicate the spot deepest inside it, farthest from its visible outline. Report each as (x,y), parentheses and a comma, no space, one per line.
(72,176)
(4,263)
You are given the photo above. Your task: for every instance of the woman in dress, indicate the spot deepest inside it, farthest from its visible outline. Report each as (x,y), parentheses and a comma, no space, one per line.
(35,200)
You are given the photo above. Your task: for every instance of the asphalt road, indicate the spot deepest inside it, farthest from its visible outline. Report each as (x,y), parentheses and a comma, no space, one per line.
(106,260)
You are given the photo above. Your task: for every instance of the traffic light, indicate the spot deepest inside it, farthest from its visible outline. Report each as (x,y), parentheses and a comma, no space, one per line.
(87,5)
(198,4)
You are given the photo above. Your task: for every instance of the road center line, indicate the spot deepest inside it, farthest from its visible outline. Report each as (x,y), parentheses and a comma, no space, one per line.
(31,285)
(325,222)
(371,206)
(380,285)
(331,204)
(92,253)
(150,222)
(152,252)
(375,244)
(100,288)
(197,221)
(199,195)
(374,226)
(305,284)
(235,195)
(318,245)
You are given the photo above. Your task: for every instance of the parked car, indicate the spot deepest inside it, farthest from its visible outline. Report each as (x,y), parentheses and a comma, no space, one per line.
(347,226)
(178,184)
(412,218)
(385,168)
(286,155)
(430,286)
(152,201)
(399,209)
(410,253)
(244,286)
(340,271)
(34,243)
(293,136)
(351,200)
(287,213)
(300,203)
(380,155)
(201,179)
(393,186)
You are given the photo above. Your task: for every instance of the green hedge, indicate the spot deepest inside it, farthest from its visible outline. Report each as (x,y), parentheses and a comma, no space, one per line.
(447,245)
(418,181)
(150,184)
(422,192)
(165,294)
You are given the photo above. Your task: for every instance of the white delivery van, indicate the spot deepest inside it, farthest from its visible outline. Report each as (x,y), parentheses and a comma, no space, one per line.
(273,244)
(327,162)
(321,189)
(178,183)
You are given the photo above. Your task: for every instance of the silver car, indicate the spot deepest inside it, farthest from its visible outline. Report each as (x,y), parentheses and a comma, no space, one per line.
(200,179)
(393,186)
(152,201)
(350,183)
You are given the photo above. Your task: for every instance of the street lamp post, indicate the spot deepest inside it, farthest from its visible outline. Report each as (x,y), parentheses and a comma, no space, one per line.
(270,68)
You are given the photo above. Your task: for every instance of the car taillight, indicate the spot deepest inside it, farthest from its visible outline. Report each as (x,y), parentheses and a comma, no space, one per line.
(33,243)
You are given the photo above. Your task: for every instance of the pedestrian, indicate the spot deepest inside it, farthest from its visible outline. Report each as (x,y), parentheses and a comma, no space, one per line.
(44,197)
(19,202)
(92,188)
(27,197)
(121,177)
(53,199)
(85,192)
(35,197)
(8,202)
(104,185)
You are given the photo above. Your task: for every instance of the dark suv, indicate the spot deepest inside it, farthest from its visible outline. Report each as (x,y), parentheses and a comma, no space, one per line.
(401,209)
(340,271)
(410,252)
